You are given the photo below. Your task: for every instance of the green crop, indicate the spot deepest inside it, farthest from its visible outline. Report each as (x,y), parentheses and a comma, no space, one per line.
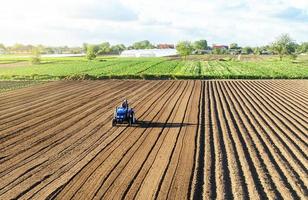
(114,67)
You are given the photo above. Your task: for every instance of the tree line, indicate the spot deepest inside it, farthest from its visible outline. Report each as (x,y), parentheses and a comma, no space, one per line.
(28,49)
(282,46)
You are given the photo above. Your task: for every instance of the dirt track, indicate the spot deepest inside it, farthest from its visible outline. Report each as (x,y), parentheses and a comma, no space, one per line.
(196,139)
(15,64)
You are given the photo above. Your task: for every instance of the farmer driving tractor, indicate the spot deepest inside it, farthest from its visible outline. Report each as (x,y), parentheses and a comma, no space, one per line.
(125,104)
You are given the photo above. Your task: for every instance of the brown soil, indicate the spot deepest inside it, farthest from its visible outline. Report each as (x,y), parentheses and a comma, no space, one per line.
(195,140)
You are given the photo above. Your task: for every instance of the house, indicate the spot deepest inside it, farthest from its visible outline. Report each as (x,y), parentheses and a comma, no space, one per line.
(165,46)
(222,47)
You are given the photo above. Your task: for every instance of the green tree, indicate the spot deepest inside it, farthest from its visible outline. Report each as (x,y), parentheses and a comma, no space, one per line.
(117,49)
(17,46)
(247,50)
(303,48)
(184,48)
(104,48)
(84,47)
(217,51)
(200,45)
(256,50)
(145,44)
(48,50)
(2,46)
(233,46)
(284,45)
(91,52)
(36,56)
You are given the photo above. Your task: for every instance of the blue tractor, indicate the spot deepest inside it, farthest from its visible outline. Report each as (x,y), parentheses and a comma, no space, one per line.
(124,114)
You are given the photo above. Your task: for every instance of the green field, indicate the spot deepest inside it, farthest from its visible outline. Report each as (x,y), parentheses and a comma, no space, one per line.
(198,67)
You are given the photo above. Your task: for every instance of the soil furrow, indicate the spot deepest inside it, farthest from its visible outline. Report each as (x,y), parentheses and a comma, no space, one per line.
(281,165)
(41,108)
(255,165)
(286,144)
(297,120)
(114,148)
(209,155)
(54,116)
(89,124)
(99,143)
(236,154)
(135,183)
(26,103)
(26,93)
(182,176)
(150,183)
(52,126)
(298,97)
(196,139)
(285,104)
(196,189)
(223,179)
(256,136)
(239,188)
(166,183)
(116,173)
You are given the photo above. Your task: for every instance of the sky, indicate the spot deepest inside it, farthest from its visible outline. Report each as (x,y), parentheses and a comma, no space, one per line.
(73,22)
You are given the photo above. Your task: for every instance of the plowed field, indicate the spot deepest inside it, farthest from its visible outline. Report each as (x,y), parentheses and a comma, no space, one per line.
(194,139)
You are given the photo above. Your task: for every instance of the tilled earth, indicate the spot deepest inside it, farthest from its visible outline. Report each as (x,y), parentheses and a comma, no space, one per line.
(194,139)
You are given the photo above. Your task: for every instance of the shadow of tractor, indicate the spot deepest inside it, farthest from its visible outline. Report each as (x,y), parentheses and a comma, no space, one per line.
(149,124)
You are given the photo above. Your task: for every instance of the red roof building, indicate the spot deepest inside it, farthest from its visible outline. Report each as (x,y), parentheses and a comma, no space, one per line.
(215,46)
(165,46)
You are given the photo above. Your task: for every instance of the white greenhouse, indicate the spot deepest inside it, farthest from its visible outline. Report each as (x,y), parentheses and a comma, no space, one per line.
(149,53)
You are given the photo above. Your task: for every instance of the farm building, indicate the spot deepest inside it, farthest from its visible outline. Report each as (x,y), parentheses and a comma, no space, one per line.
(165,46)
(149,53)
(215,46)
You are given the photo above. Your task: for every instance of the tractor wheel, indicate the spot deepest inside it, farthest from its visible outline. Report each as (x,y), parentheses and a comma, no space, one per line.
(114,122)
(130,121)
(134,119)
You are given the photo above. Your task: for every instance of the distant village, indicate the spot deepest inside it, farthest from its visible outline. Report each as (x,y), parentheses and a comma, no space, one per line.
(138,49)
(283,45)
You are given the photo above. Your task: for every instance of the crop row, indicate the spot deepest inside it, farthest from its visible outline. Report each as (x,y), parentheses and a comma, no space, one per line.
(154,68)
